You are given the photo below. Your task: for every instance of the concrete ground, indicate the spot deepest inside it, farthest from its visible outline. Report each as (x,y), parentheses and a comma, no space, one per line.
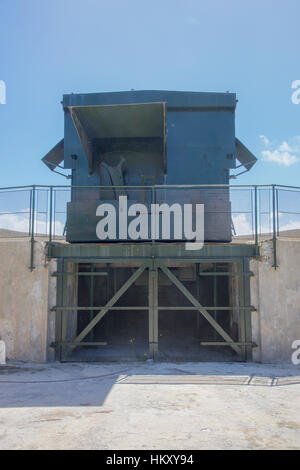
(162,406)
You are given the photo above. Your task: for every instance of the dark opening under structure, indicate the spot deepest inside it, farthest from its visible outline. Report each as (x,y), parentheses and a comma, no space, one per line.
(176,311)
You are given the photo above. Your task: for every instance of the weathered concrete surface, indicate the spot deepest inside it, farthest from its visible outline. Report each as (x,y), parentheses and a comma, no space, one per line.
(26,324)
(150,406)
(276,295)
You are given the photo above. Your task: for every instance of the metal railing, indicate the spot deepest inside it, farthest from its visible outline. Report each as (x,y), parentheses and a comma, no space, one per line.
(258,212)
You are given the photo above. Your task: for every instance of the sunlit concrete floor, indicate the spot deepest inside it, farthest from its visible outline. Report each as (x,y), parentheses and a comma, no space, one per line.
(149,406)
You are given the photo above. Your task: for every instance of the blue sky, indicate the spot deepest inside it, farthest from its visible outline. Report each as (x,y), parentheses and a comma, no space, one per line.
(52,47)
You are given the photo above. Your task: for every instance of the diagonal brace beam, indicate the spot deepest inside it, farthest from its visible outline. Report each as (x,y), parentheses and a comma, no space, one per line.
(111,303)
(201,309)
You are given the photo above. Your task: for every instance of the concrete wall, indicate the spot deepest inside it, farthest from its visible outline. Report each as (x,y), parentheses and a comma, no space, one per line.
(26,323)
(276,295)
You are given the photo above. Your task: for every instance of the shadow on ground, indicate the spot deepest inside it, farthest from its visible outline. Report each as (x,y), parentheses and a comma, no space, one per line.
(80,384)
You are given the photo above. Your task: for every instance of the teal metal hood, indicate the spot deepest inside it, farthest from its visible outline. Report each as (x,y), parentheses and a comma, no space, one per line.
(244,156)
(55,156)
(118,122)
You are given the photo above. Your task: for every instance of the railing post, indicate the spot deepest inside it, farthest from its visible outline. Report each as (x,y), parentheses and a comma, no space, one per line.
(50,220)
(50,215)
(256,216)
(153,230)
(274,209)
(30,205)
(32,267)
(277,212)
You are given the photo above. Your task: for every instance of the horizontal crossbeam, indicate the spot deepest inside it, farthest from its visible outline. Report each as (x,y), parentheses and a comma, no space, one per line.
(250,307)
(225,343)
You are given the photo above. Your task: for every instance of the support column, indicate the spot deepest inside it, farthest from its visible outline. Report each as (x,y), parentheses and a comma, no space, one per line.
(70,296)
(247,301)
(242,312)
(153,310)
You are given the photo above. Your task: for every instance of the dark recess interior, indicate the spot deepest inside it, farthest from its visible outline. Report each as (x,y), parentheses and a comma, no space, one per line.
(179,331)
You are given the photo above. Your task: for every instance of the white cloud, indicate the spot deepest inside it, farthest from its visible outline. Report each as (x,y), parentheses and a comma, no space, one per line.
(285,147)
(279,156)
(20,223)
(284,154)
(15,222)
(292,225)
(265,140)
(241,225)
